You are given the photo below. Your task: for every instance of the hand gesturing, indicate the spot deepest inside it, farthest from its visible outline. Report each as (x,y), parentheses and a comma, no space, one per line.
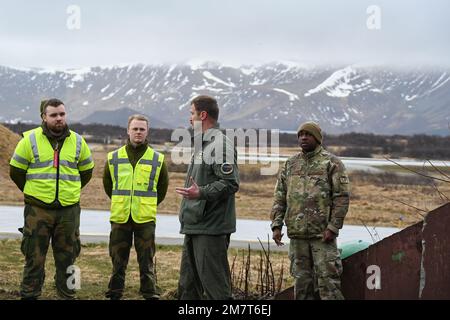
(193,192)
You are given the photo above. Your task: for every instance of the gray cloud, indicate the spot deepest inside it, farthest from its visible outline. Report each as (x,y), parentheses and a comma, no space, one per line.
(238,32)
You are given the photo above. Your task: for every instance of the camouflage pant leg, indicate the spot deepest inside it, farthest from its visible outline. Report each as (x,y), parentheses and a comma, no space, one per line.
(144,243)
(66,248)
(120,241)
(328,269)
(302,269)
(205,272)
(37,232)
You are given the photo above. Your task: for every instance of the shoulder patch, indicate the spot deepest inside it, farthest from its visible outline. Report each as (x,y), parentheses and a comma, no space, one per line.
(344,179)
(226,168)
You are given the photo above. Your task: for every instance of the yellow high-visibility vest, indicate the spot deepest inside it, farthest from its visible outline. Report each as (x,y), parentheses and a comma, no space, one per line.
(35,154)
(134,191)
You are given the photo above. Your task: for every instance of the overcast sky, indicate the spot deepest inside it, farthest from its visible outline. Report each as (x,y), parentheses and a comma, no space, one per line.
(412,32)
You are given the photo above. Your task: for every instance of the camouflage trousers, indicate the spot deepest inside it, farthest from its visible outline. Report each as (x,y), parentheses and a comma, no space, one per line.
(316,267)
(204,271)
(120,242)
(61,227)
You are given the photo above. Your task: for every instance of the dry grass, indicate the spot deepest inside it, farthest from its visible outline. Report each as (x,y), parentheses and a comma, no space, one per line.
(95,265)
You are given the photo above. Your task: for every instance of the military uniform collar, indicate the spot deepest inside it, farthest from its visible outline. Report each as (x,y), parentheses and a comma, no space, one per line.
(312,154)
(207,135)
(138,147)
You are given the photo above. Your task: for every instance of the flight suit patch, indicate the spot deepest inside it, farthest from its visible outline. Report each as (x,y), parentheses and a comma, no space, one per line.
(226,168)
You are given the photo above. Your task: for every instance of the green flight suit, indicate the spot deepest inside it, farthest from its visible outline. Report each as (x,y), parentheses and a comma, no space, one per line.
(207,222)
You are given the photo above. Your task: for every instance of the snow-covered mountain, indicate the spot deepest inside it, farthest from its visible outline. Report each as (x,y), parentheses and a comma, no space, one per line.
(276,95)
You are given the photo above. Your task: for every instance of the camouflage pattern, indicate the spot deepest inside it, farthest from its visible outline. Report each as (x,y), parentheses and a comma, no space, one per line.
(316,267)
(120,241)
(311,195)
(204,272)
(61,226)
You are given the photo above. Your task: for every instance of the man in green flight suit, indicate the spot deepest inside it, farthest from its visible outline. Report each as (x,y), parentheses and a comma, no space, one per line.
(136,179)
(207,212)
(50,165)
(312,199)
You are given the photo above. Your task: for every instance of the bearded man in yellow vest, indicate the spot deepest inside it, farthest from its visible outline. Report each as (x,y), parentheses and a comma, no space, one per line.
(50,165)
(136,179)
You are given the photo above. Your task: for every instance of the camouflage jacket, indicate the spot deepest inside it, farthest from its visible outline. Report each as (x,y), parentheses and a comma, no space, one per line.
(311,195)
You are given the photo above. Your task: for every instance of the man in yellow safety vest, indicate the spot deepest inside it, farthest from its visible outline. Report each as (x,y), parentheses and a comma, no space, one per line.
(136,179)
(50,165)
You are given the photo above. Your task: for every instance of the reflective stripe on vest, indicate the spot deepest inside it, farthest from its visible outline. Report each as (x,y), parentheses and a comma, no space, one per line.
(128,196)
(70,164)
(154,163)
(20,159)
(41,175)
(52,176)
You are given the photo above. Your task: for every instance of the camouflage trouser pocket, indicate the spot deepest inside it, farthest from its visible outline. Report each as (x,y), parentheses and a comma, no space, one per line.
(300,259)
(334,263)
(77,244)
(110,244)
(26,239)
(338,264)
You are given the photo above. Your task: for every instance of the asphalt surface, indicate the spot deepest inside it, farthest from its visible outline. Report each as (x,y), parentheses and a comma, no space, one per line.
(95,228)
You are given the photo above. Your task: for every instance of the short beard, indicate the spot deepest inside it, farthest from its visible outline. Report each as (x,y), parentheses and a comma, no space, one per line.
(56,130)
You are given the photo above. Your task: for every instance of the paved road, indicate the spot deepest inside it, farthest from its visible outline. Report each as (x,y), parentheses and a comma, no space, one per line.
(95,227)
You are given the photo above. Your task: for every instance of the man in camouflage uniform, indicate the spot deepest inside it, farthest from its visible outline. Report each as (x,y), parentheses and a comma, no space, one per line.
(50,165)
(312,199)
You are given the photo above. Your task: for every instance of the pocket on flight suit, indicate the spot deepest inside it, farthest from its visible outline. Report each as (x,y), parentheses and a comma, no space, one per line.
(194,211)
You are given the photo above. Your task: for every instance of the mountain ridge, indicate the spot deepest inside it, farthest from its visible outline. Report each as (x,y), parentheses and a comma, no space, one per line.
(354,98)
